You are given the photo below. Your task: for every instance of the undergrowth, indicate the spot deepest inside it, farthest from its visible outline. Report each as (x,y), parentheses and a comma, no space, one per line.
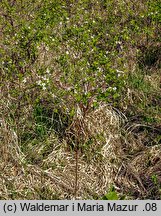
(80,108)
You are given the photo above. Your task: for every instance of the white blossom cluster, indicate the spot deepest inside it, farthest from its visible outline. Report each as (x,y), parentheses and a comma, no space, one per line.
(119,73)
(43,80)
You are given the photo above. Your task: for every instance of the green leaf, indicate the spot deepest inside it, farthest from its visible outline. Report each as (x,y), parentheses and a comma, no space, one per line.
(112,195)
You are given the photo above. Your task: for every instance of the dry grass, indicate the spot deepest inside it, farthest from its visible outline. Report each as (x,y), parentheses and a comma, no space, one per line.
(104,163)
(118,147)
(57,170)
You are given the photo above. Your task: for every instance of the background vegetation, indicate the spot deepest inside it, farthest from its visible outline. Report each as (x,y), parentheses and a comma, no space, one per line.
(80,99)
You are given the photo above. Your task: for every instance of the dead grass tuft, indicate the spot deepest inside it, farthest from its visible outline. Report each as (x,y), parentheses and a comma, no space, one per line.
(21,180)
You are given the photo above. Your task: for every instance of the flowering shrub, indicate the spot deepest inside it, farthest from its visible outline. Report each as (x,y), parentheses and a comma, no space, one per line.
(62,64)
(77,49)
(74,54)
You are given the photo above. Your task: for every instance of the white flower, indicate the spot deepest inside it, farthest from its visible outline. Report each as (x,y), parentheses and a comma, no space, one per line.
(47,71)
(109,88)
(43,85)
(44,88)
(114,88)
(74,56)
(100,69)
(45,79)
(46,48)
(24,80)
(119,72)
(39,82)
(54,96)
(118,42)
